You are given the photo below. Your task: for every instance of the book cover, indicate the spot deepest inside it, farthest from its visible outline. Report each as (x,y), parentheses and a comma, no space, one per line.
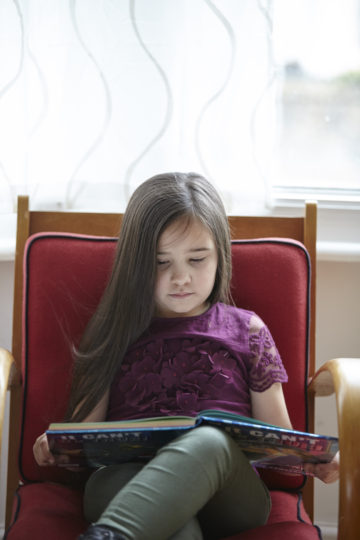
(106,443)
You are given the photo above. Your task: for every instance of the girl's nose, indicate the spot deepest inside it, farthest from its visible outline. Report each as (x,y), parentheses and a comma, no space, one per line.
(180,276)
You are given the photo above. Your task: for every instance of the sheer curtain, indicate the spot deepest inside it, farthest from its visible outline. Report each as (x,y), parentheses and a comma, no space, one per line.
(98,95)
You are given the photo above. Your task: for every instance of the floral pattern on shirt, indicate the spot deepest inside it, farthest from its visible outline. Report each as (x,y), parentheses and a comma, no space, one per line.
(266,366)
(173,375)
(182,366)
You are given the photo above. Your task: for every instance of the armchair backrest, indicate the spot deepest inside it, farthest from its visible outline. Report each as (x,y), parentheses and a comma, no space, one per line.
(65,276)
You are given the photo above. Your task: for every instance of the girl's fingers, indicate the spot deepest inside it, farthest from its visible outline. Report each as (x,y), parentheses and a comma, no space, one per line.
(42,453)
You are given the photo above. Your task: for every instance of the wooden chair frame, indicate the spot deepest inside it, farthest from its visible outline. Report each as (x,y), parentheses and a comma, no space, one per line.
(341,376)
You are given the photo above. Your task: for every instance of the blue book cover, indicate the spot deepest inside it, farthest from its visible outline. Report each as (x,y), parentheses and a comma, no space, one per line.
(106,443)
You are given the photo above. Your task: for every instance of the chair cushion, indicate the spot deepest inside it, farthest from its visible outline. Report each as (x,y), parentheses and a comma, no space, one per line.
(288,519)
(272,277)
(47,510)
(54,511)
(277,531)
(65,275)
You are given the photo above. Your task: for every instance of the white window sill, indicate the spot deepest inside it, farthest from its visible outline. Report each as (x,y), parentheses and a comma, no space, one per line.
(338,251)
(7,249)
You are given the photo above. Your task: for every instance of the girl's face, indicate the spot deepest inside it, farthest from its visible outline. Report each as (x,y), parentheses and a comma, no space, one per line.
(186,269)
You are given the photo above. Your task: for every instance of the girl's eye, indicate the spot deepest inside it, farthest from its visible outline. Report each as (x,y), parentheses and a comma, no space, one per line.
(162,263)
(198,260)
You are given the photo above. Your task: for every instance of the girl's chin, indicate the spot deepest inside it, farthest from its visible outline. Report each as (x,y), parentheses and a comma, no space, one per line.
(171,312)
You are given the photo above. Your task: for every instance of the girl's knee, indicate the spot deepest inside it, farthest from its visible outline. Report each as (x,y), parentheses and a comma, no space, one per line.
(207,444)
(211,439)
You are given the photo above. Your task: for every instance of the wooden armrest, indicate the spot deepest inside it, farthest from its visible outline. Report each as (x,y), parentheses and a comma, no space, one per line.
(342,376)
(7,363)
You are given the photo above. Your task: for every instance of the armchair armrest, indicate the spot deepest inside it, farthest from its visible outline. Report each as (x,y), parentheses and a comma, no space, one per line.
(342,376)
(7,363)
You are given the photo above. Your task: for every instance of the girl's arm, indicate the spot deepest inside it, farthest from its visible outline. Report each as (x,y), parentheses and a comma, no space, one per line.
(270,407)
(98,414)
(41,450)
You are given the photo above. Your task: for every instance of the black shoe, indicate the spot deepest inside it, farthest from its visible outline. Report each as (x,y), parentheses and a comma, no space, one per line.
(101,532)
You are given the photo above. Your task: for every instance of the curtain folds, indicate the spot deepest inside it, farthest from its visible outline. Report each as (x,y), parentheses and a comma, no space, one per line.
(96,96)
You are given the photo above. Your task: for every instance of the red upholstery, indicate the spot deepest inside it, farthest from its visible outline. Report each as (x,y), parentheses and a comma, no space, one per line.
(53,511)
(49,511)
(64,278)
(288,520)
(272,278)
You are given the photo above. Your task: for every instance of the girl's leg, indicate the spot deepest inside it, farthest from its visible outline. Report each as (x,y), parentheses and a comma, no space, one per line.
(184,475)
(106,482)
(191,531)
(236,508)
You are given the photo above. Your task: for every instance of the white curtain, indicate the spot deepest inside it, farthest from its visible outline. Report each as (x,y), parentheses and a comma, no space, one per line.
(98,95)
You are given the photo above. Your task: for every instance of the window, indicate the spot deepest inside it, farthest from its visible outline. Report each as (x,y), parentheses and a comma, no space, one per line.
(317,47)
(263,97)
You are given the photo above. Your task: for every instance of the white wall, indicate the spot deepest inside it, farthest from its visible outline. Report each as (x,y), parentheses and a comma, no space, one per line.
(338,334)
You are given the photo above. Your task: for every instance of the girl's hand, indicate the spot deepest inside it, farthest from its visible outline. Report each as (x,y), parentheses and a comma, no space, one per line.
(41,450)
(44,457)
(42,453)
(327,472)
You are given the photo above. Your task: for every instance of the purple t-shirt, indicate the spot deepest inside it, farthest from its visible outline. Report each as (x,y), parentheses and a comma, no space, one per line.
(183,365)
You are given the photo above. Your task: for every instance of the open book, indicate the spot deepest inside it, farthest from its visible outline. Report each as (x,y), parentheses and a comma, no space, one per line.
(106,443)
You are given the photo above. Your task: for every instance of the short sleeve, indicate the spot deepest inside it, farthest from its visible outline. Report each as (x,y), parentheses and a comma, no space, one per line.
(265,366)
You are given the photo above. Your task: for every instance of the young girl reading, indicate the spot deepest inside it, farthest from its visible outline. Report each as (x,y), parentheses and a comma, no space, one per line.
(165,339)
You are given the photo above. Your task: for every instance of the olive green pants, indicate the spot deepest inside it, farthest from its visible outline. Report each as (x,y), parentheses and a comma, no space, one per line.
(198,486)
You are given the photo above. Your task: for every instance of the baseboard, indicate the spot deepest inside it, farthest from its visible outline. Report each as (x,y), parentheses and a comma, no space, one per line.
(328,532)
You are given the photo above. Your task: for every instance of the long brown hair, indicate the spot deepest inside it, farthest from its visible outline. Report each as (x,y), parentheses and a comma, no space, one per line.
(127,305)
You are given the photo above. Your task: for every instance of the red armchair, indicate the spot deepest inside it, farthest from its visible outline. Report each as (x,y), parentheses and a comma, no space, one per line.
(63,276)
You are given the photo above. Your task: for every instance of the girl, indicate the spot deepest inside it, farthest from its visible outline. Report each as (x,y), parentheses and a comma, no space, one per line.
(165,340)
